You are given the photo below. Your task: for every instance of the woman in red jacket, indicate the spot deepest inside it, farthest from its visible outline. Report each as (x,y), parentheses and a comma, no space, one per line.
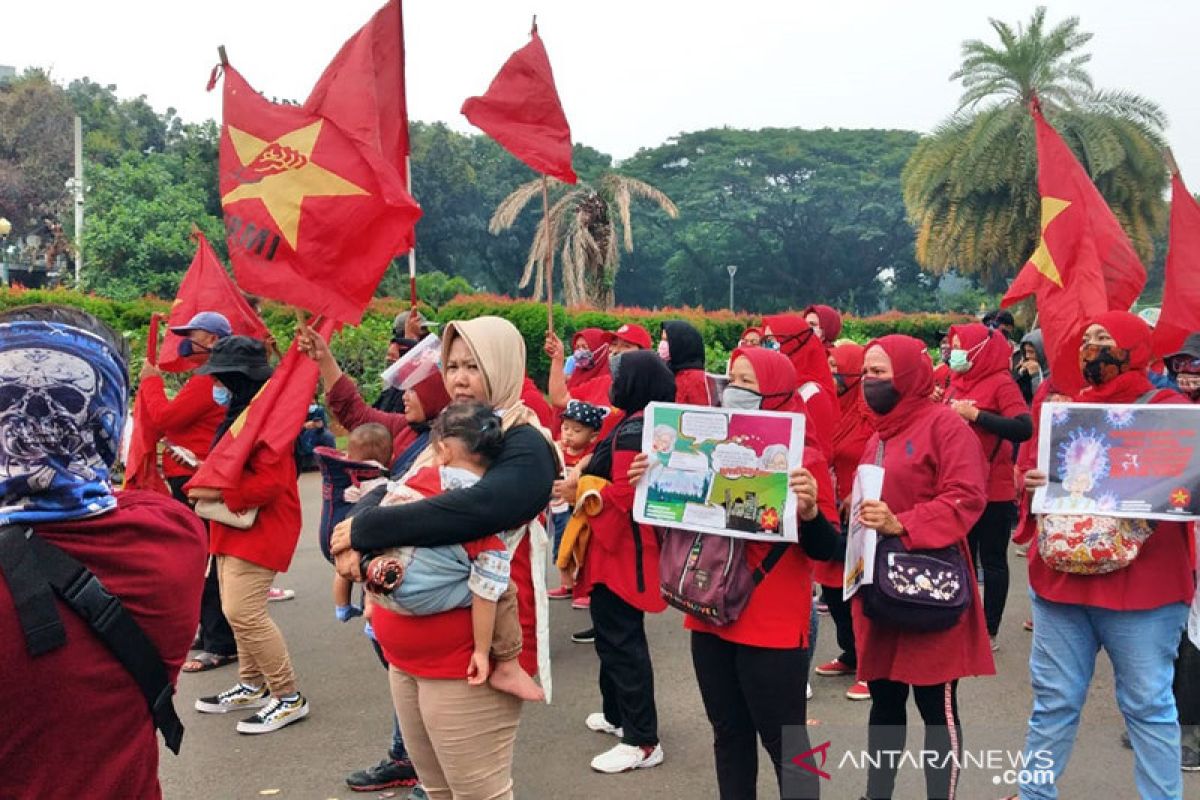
(621,573)
(751,672)
(984,393)
(249,559)
(849,442)
(1135,613)
(792,336)
(934,490)
(682,347)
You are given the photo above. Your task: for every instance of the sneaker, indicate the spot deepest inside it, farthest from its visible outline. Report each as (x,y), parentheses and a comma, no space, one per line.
(387,774)
(275,715)
(627,757)
(859,691)
(833,668)
(822,608)
(599,723)
(275,595)
(581,603)
(1189,759)
(584,637)
(808,692)
(238,698)
(1027,625)
(1128,745)
(561,593)
(995,644)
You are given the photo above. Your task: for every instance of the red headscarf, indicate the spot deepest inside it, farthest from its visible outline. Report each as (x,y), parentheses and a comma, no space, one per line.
(594,339)
(912,374)
(1132,334)
(431,391)
(756,331)
(855,422)
(776,378)
(831,321)
(990,355)
(799,343)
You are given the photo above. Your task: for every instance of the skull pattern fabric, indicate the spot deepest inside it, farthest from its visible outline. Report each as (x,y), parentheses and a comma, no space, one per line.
(63,395)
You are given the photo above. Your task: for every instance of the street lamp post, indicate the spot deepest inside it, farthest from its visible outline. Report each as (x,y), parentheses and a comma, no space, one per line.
(5,230)
(732,269)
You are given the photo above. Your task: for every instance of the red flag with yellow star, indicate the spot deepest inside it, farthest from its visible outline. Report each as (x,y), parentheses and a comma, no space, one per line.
(1084,263)
(314,209)
(1181,289)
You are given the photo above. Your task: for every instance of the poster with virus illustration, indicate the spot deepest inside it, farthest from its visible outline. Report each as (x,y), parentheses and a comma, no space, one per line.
(720,471)
(1132,461)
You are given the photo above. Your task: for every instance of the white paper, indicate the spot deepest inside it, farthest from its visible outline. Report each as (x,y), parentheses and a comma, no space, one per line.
(414,366)
(859,566)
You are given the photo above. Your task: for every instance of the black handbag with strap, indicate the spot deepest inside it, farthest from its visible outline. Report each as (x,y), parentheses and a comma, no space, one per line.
(36,570)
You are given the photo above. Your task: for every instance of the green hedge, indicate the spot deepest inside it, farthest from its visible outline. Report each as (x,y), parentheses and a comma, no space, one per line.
(361,350)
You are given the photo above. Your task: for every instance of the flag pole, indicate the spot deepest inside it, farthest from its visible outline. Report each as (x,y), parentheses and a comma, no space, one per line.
(549,252)
(412,251)
(1172,165)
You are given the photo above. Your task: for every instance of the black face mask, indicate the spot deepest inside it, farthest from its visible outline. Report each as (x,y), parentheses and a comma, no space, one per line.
(881,394)
(188,348)
(845,382)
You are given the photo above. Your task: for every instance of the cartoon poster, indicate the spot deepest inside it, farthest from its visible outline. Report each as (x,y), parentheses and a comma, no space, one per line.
(1133,461)
(859,566)
(720,471)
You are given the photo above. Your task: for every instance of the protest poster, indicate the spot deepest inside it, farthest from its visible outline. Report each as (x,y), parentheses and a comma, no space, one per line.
(1132,461)
(716,387)
(859,567)
(720,471)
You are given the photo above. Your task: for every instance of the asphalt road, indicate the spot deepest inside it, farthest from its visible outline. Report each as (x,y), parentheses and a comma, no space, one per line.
(350,721)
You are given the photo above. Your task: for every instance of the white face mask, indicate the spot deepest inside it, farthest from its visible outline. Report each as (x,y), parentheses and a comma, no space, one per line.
(741,399)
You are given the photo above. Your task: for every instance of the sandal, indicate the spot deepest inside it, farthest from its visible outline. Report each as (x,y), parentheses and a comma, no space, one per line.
(204,661)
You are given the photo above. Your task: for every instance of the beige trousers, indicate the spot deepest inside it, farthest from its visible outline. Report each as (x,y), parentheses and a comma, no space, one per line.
(460,737)
(262,652)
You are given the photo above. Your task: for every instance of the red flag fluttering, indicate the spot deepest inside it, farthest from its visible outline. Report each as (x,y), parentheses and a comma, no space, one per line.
(141,463)
(1181,288)
(206,287)
(315,200)
(1084,263)
(522,112)
(273,419)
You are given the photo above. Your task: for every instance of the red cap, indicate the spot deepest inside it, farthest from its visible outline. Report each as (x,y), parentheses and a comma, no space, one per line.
(634,334)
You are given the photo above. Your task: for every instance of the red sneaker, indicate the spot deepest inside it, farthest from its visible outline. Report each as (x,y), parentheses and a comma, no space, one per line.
(581,603)
(859,691)
(834,668)
(561,593)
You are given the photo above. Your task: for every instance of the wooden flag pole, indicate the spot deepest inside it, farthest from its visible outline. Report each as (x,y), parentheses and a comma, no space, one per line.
(549,253)
(412,251)
(1169,157)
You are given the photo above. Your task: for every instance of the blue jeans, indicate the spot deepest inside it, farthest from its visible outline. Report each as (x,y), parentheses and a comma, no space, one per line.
(1142,646)
(558,526)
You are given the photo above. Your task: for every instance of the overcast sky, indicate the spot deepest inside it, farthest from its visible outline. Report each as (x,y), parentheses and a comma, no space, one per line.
(630,73)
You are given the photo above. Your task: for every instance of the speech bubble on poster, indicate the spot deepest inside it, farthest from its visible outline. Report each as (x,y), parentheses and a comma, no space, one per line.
(733,458)
(691,462)
(702,427)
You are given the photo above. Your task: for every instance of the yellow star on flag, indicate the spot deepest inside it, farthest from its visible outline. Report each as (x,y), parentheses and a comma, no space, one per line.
(281,174)
(1180,497)
(1041,258)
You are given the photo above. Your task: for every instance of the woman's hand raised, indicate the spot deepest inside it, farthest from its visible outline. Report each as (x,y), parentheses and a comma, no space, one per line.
(804,486)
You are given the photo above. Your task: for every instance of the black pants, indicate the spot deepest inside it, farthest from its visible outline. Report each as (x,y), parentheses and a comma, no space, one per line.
(1187,689)
(216,636)
(989,549)
(750,693)
(839,612)
(626,674)
(938,706)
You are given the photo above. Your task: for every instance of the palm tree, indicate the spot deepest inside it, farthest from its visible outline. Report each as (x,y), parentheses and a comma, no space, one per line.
(970,188)
(584,220)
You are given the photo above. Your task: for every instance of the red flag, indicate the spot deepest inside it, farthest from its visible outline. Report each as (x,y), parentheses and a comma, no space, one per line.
(206,287)
(1084,263)
(1181,290)
(315,199)
(274,418)
(521,111)
(141,463)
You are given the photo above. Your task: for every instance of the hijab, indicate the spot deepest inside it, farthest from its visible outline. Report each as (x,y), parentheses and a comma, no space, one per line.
(1133,337)
(856,417)
(641,378)
(800,344)
(594,338)
(990,356)
(431,391)
(912,375)
(776,378)
(831,321)
(686,345)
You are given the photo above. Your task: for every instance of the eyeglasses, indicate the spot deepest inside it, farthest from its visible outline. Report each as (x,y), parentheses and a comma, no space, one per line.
(1184,363)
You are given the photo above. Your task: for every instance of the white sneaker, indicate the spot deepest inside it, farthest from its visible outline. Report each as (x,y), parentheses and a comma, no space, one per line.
(239,698)
(598,723)
(808,692)
(627,757)
(275,715)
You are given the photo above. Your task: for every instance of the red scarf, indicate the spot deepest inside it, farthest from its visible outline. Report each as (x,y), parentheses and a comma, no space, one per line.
(594,339)
(856,417)
(1132,334)
(800,344)
(912,374)
(776,378)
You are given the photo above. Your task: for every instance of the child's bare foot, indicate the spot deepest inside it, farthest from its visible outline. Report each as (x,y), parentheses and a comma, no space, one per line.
(509,677)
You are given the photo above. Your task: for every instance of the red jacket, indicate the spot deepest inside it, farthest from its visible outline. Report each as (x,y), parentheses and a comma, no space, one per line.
(347,404)
(189,420)
(268,484)
(934,483)
(533,399)
(691,387)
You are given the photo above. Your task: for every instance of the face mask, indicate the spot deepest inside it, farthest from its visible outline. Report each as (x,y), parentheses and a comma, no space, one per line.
(188,348)
(613,361)
(881,395)
(845,382)
(1189,384)
(222,396)
(770,344)
(584,359)
(664,350)
(741,399)
(1102,363)
(959,361)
